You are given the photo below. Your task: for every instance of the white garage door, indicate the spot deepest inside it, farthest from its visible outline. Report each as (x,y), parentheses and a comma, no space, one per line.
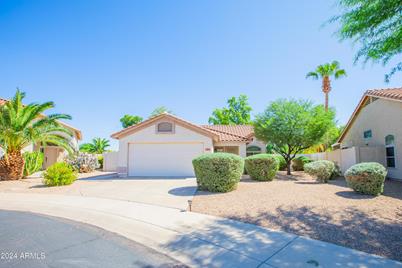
(163,159)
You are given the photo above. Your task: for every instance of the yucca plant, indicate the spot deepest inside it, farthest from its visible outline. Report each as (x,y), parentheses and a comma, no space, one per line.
(23,125)
(325,71)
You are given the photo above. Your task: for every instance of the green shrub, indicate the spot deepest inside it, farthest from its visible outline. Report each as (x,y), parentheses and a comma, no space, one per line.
(281,160)
(33,162)
(100,161)
(321,169)
(299,162)
(59,174)
(337,172)
(367,178)
(262,167)
(218,172)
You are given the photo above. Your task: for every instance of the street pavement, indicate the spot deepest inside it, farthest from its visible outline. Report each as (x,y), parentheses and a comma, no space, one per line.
(32,240)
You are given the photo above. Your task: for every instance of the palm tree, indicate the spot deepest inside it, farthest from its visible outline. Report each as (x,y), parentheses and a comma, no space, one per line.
(97,146)
(324,72)
(23,125)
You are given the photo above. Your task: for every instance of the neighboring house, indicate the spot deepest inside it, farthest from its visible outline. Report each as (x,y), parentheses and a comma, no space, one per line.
(165,145)
(52,153)
(377,123)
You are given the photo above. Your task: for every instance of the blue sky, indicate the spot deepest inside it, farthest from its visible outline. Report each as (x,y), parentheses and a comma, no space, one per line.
(99,60)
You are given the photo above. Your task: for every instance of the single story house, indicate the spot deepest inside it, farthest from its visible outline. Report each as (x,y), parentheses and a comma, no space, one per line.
(377,123)
(52,153)
(165,145)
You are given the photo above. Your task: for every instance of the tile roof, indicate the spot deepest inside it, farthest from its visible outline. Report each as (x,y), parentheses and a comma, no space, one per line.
(389,93)
(235,133)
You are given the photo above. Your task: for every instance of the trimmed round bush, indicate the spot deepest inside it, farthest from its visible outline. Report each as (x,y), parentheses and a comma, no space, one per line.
(218,172)
(281,160)
(261,167)
(366,178)
(59,174)
(321,169)
(299,162)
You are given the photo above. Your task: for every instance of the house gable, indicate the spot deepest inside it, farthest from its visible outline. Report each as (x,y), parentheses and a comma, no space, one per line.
(391,94)
(168,118)
(374,121)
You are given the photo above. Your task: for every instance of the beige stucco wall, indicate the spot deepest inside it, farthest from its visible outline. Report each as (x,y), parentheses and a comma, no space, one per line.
(149,135)
(382,117)
(110,160)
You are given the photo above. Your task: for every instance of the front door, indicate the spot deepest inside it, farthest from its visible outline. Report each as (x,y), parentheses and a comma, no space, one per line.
(51,155)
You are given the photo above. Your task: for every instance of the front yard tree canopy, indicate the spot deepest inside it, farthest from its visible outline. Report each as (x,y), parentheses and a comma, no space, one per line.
(237,112)
(129,120)
(376,25)
(23,125)
(292,126)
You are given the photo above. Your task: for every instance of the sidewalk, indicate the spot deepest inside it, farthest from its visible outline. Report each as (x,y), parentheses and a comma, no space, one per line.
(195,239)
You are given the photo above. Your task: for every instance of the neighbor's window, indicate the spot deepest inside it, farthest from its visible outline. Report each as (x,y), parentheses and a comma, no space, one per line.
(367,134)
(165,127)
(252,150)
(390,150)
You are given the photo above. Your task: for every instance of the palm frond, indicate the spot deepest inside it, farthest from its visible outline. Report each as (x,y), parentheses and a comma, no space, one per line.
(22,125)
(313,75)
(340,73)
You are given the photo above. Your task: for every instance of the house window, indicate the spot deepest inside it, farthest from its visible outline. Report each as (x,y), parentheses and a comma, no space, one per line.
(390,150)
(367,134)
(252,150)
(165,127)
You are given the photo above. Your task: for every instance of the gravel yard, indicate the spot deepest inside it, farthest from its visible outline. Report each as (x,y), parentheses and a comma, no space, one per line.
(329,212)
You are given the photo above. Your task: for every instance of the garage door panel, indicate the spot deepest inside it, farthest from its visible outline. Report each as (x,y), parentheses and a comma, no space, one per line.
(163,159)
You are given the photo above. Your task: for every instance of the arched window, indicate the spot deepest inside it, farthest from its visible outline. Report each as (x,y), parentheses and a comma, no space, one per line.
(165,127)
(252,150)
(390,150)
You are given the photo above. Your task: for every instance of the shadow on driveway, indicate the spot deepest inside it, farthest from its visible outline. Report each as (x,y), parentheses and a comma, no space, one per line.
(183,191)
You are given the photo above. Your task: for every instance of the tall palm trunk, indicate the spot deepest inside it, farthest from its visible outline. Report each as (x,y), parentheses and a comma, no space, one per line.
(12,166)
(326,88)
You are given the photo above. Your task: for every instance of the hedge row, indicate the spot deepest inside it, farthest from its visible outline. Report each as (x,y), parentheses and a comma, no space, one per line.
(220,172)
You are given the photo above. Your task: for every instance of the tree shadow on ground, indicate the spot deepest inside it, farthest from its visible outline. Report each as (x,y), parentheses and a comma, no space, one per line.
(354,195)
(349,227)
(183,191)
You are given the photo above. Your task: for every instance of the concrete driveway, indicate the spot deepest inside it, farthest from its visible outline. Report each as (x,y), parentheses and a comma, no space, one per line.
(167,192)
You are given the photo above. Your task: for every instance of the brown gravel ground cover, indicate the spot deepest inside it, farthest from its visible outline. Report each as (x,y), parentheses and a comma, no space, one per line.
(329,212)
